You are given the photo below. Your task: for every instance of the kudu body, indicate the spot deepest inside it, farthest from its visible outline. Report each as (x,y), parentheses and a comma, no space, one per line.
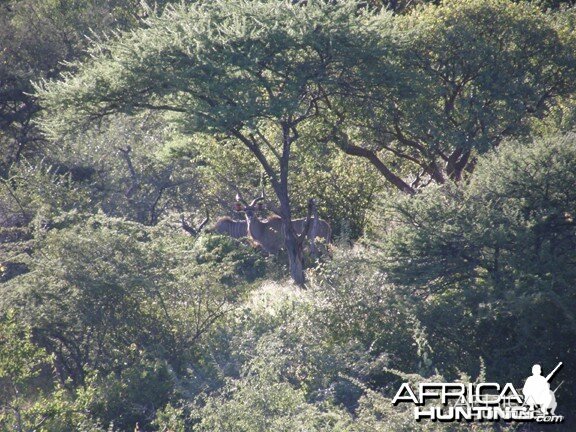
(269,234)
(233,228)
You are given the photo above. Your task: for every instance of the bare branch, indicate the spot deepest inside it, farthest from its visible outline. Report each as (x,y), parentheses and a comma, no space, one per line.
(255,149)
(135,180)
(268,143)
(375,160)
(304,233)
(191,230)
(313,229)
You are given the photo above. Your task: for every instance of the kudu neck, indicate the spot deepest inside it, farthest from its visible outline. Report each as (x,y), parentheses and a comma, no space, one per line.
(254,220)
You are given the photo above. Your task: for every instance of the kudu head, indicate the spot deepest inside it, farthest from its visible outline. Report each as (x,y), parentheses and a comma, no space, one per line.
(251,209)
(264,232)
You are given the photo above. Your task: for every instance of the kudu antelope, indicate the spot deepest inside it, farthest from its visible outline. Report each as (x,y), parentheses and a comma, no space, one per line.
(269,234)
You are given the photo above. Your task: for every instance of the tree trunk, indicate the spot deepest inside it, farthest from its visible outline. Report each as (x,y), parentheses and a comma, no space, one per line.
(294,250)
(313,232)
(292,243)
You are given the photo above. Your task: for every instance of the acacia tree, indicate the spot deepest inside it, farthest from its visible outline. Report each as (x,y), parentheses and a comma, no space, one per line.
(250,71)
(475,72)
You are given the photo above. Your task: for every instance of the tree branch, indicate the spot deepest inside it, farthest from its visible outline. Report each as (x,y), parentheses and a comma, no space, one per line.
(256,151)
(134,176)
(373,158)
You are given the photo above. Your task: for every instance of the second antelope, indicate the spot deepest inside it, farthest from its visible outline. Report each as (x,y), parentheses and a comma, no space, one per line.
(269,233)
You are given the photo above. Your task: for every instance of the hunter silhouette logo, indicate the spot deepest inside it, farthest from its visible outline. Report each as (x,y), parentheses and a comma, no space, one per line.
(537,391)
(484,401)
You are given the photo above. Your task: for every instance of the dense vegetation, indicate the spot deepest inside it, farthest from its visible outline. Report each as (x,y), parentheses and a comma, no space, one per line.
(438,139)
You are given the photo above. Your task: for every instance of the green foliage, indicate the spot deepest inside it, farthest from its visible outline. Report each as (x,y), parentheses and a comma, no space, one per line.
(41,192)
(231,71)
(20,359)
(343,187)
(131,397)
(171,419)
(128,302)
(36,37)
(223,256)
(31,199)
(93,280)
(293,374)
(376,413)
(260,403)
(23,404)
(280,361)
(498,254)
(129,175)
(473,73)
(515,217)
(110,316)
(360,305)
(58,411)
(489,65)
(232,49)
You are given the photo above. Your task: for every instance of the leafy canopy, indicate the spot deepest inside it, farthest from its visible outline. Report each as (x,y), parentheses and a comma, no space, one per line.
(223,65)
(475,72)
